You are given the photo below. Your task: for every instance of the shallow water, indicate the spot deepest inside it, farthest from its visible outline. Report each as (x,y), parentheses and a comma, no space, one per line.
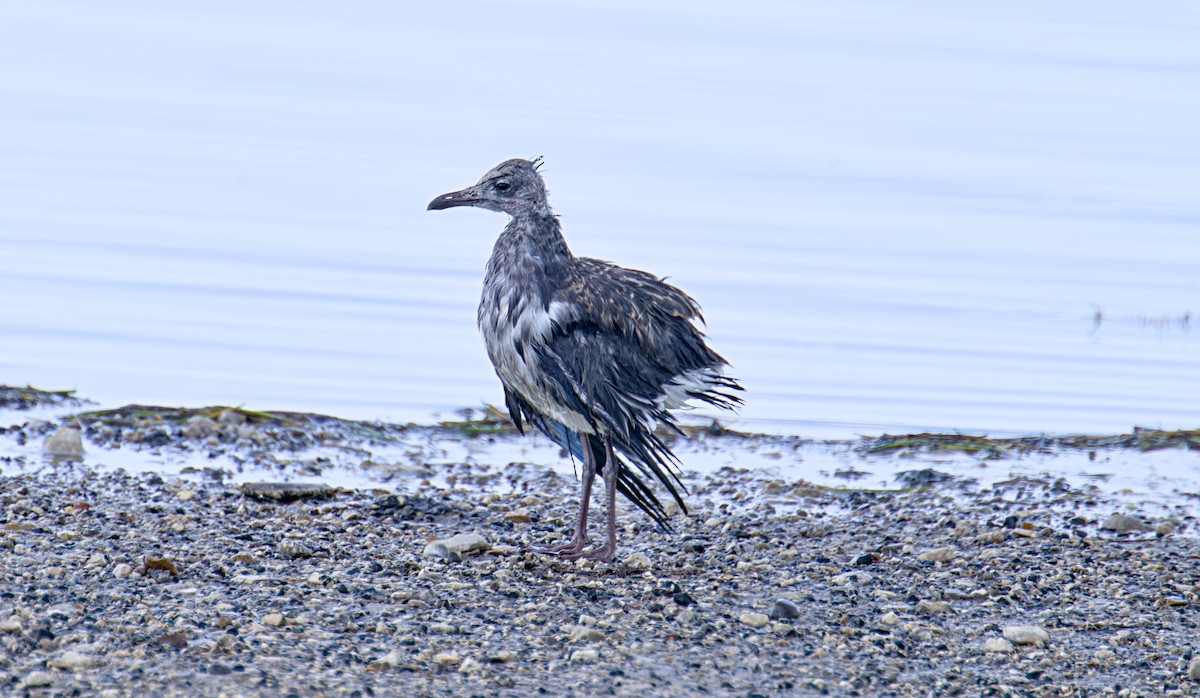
(898,218)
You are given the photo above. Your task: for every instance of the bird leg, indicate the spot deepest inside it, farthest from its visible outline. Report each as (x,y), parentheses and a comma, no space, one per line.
(612,470)
(579,541)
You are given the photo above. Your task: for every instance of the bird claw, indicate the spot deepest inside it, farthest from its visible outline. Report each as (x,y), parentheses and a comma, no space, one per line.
(570,550)
(575,551)
(604,553)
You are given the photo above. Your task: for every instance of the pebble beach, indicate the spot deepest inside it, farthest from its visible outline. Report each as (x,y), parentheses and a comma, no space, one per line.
(210,582)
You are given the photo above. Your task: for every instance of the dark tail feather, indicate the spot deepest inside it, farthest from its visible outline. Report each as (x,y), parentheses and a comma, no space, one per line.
(629,483)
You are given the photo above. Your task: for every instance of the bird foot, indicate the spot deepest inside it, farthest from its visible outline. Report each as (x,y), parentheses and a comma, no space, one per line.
(604,553)
(574,548)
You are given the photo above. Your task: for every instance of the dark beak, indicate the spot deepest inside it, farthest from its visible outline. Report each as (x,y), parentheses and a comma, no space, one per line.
(454,198)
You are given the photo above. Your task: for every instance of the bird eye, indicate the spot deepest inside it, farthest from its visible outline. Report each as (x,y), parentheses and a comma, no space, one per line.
(503,186)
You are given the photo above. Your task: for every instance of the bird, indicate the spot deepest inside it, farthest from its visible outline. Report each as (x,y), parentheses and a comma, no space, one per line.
(593,355)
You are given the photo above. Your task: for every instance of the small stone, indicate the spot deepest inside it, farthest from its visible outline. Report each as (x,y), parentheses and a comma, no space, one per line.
(66,536)
(185,495)
(445,658)
(160,563)
(36,679)
(1194,669)
(932,607)
(11,625)
(470,666)
(520,515)
(503,656)
(199,426)
(784,610)
(584,656)
(233,417)
(890,618)
(997,644)
(1026,635)
(1124,524)
(754,620)
(97,560)
(439,551)
(938,555)
(464,543)
(74,661)
(65,441)
(582,633)
(1105,655)
(123,570)
(273,619)
(388,660)
(294,549)
(638,561)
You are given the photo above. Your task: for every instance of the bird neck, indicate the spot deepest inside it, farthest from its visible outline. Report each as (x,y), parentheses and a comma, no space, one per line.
(537,235)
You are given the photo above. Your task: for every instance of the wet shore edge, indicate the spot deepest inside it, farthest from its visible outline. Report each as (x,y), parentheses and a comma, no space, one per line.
(209,581)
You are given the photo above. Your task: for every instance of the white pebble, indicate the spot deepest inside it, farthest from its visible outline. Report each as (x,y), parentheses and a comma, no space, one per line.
(1026,635)
(38,678)
(445,658)
(74,661)
(66,441)
(938,555)
(997,644)
(470,666)
(754,620)
(465,543)
(582,633)
(199,426)
(12,625)
(585,656)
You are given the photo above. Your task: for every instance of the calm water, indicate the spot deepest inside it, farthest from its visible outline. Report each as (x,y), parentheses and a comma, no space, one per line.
(898,216)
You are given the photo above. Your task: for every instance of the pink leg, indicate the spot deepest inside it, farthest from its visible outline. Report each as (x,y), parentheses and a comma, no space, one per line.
(579,541)
(612,469)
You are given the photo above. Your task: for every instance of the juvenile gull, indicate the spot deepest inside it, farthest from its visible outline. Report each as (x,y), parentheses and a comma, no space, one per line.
(591,354)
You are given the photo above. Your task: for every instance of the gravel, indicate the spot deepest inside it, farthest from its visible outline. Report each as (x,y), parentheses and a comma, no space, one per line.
(114,583)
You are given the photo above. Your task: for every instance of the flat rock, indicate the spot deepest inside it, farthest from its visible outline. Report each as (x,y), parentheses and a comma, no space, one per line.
(445,658)
(997,644)
(36,679)
(1124,524)
(938,555)
(1026,635)
(287,491)
(754,620)
(74,661)
(464,543)
(199,426)
(582,633)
